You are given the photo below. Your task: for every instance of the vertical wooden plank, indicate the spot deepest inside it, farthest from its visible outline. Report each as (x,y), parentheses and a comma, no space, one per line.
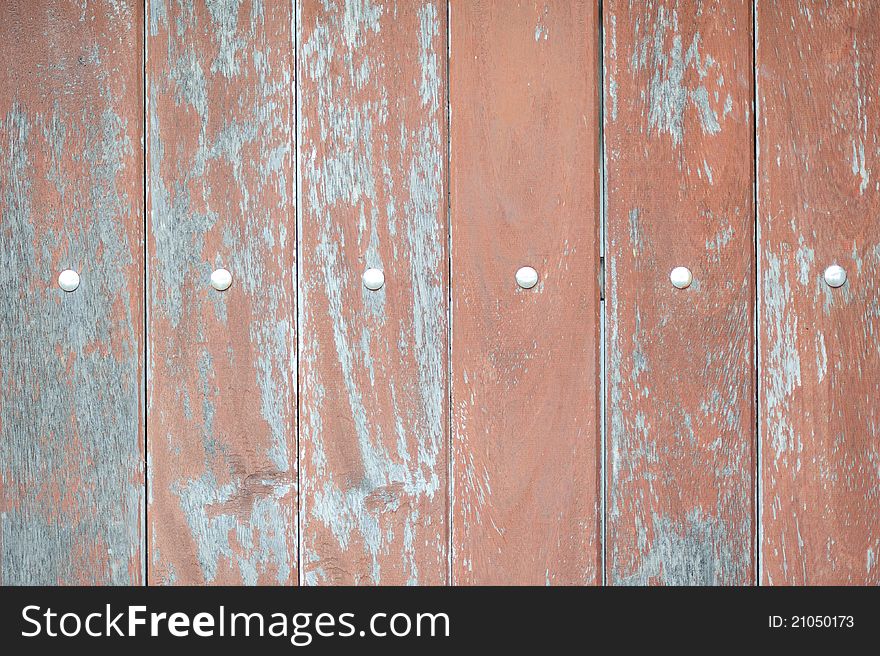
(71,189)
(681,393)
(221,377)
(524,174)
(819,204)
(372,143)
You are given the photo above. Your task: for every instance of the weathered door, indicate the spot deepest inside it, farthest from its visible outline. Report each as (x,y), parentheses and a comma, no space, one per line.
(444,293)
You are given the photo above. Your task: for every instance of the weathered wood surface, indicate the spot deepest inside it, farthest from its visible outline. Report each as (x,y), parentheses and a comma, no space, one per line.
(383,499)
(680,376)
(71,377)
(819,204)
(221,365)
(524,175)
(373,406)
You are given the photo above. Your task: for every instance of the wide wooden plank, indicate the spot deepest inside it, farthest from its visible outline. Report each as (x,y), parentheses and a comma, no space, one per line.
(680,375)
(819,204)
(71,364)
(373,407)
(524,175)
(221,364)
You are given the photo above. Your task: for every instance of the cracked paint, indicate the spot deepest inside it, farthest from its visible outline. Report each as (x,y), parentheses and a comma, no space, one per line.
(372,152)
(221,365)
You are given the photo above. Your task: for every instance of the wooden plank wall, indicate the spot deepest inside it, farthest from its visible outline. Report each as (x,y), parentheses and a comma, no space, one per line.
(221,365)
(448,427)
(373,440)
(524,165)
(819,204)
(71,364)
(680,377)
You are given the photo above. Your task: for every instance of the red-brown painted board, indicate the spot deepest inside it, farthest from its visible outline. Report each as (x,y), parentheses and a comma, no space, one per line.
(221,364)
(71,363)
(819,205)
(524,184)
(373,406)
(681,436)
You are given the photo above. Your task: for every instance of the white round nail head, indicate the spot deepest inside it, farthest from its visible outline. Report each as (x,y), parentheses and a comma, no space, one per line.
(835,275)
(374,279)
(221,280)
(681,277)
(526,277)
(68,280)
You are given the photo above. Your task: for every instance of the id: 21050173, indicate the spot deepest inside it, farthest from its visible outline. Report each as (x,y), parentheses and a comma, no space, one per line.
(811,622)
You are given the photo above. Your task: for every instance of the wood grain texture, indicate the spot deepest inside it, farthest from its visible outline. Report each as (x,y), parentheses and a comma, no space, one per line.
(373,406)
(819,204)
(680,376)
(221,365)
(524,174)
(71,377)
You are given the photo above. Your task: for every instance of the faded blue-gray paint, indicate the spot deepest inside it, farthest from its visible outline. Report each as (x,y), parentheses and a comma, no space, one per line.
(71,464)
(201,220)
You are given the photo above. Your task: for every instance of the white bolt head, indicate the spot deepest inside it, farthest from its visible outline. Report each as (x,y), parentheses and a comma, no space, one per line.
(221,280)
(681,277)
(68,280)
(526,277)
(374,279)
(835,275)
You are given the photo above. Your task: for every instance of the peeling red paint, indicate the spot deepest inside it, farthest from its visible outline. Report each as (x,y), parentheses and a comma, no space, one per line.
(680,446)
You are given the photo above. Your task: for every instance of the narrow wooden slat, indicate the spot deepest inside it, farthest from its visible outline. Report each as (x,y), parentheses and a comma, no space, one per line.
(680,374)
(372,144)
(819,204)
(221,365)
(71,374)
(524,174)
